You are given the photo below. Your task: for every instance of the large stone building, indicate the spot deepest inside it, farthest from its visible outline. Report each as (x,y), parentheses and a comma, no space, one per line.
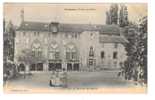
(70,46)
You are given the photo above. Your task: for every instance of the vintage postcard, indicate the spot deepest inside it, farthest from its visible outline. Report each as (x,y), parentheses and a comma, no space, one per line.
(75,48)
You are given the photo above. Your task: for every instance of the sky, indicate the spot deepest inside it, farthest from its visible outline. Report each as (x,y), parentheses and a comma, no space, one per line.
(67,13)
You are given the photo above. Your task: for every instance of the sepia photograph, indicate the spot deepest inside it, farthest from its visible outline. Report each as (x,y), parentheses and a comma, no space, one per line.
(75,48)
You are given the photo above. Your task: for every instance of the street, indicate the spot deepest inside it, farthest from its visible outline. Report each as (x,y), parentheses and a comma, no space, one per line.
(99,79)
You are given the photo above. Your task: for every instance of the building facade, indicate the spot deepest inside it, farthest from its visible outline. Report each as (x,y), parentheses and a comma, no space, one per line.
(73,47)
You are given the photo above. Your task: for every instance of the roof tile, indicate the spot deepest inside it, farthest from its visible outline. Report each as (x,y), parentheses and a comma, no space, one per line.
(73,28)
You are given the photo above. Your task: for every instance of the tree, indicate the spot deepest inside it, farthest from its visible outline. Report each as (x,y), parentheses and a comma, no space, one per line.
(135,67)
(4,23)
(27,57)
(131,48)
(9,38)
(8,48)
(113,18)
(123,16)
(114,14)
(108,18)
(142,48)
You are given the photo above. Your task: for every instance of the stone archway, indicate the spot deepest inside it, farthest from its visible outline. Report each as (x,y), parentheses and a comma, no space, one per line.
(37,53)
(36,48)
(72,59)
(54,59)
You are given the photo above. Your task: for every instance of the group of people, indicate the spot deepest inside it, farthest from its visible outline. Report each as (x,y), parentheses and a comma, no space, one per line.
(59,78)
(10,70)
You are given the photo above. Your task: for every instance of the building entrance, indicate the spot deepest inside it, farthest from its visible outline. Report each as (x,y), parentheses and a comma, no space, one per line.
(73,67)
(54,65)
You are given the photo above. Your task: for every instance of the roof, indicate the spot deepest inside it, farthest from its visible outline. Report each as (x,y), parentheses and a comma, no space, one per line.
(33,26)
(112,39)
(75,28)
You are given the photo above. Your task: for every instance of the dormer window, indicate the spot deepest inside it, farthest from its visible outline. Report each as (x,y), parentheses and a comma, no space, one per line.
(54,27)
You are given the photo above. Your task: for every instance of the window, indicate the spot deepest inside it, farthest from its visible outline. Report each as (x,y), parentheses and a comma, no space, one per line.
(39,66)
(102,54)
(76,67)
(67,55)
(39,53)
(33,53)
(54,29)
(115,55)
(51,55)
(32,67)
(91,62)
(54,53)
(91,52)
(69,66)
(51,66)
(58,66)
(36,67)
(36,50)
(22,67)
(71,53)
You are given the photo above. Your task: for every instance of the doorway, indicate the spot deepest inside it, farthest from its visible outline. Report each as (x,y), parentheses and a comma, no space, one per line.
(73,66)
(54,66)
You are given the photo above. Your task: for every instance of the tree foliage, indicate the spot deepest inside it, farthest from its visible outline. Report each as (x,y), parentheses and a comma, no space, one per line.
(114,13)
(135,67)
(142,47)
(118,14)
(123,16)
(28,57)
